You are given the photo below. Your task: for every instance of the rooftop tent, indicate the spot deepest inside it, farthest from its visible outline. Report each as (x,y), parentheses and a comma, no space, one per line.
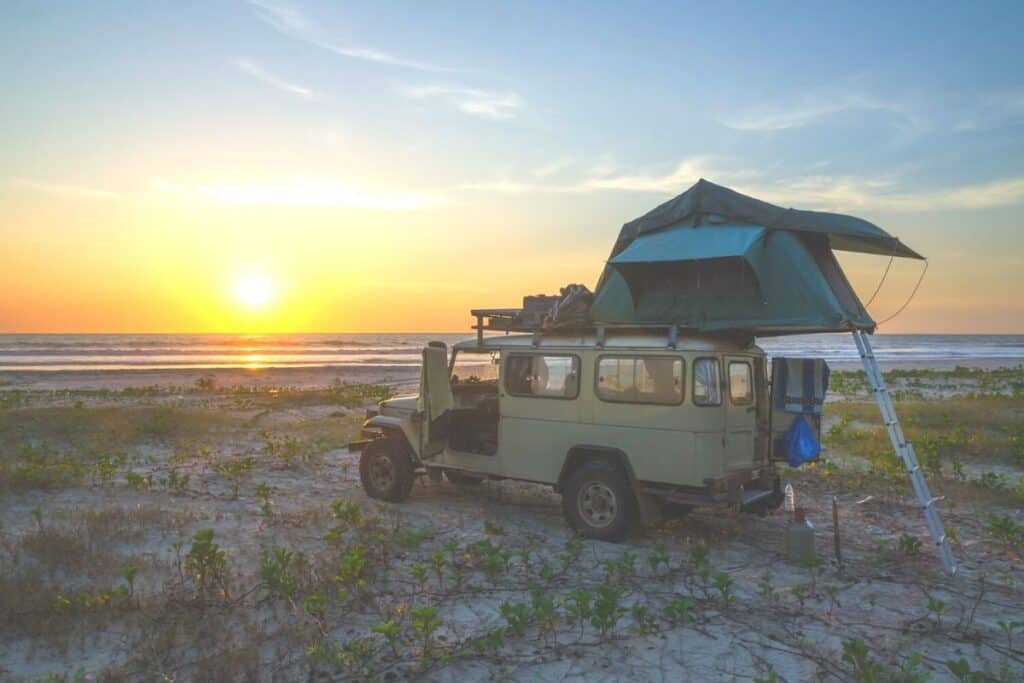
(715,260)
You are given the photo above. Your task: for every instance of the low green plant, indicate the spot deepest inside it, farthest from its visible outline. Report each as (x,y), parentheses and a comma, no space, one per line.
(621,569)
(766,589)
(424,623)
(1005,530)
(573,549)
(644,620)
(677,611)
(413,538)
(419,573)
(577,606)
(961,669)
(909,545)
(545,613)
(1009,627)
(995,481)
(276,571)
(607,609)
(800,592)
(262,494)
(868,670)
(352,568)
(390,630)
(176,481)
(234,471)
(206,563)
(315,605)
(938,608)
(493,528)
(518,615)
(658,556)
(437,563)
(128,573)
(723,583)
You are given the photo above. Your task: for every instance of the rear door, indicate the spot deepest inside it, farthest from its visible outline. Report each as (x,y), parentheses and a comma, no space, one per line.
(436,401)
(741,412)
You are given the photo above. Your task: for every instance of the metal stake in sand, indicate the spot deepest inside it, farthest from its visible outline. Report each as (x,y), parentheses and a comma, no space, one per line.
(835,531)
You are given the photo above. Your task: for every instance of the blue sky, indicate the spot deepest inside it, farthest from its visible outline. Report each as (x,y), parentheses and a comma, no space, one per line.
(551,123)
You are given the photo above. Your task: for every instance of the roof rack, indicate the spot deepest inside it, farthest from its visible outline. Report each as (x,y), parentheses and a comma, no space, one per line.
(510,320)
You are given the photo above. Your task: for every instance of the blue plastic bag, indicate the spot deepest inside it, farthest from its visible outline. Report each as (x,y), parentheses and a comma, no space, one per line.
(801,443)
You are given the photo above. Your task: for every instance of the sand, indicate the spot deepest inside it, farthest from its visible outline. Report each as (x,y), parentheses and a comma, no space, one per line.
(796,627)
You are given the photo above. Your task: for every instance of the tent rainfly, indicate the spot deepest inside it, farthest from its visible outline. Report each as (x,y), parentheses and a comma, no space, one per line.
(714,260)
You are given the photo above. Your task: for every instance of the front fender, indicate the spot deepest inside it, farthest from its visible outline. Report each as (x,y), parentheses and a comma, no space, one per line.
(397,425)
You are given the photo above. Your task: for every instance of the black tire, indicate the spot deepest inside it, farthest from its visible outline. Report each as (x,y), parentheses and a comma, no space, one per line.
(386,470)
(598,502)
(461,478)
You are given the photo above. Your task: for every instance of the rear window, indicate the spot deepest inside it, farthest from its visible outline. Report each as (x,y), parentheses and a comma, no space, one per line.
(707,386)
(639,379)
(543,376)
(741,384)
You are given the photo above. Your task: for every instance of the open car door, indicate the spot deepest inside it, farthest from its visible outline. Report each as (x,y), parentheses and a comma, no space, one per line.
(436,400)
(799,386)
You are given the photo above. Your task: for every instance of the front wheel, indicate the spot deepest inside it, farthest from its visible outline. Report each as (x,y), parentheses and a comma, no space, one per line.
(386,471)
(598,502)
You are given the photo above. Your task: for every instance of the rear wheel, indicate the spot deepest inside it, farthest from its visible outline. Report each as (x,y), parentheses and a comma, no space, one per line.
(461,478)
(598,502)
(386,471)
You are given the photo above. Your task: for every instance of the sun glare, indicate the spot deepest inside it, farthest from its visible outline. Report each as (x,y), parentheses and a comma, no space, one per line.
(255,291)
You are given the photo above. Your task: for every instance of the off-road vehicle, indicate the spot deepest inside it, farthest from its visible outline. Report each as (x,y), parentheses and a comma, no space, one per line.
(624,423)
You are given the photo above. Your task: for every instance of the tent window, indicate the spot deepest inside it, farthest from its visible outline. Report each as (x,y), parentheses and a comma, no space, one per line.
(639,379)
(741,384)
(543,376)
(707,387)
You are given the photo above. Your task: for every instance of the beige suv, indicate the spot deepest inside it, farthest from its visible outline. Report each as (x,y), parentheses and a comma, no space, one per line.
(624,425)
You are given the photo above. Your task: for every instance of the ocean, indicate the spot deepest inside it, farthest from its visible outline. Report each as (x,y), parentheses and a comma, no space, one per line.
(98,352)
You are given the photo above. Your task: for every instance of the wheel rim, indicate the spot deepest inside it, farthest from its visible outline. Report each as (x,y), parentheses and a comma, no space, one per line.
(382,473)
(597,504)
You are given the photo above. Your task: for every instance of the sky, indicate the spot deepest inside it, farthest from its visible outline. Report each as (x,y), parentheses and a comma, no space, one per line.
(286,166)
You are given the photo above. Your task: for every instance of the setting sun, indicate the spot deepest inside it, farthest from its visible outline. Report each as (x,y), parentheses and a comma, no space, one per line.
(255,291)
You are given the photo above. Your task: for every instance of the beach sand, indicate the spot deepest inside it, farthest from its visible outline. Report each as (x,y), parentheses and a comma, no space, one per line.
(262,467)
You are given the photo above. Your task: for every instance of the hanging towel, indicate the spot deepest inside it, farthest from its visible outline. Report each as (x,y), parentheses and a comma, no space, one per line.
(800,384)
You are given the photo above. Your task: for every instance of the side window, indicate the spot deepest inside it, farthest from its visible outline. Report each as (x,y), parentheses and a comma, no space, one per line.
(741,384)
(706,383)
(639,379)
(543,376)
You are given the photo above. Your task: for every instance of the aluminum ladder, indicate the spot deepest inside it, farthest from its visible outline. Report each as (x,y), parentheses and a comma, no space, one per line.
(905,450)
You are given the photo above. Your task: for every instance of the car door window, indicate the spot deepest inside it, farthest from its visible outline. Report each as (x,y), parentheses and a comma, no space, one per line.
(741,384)
(543,376)
(706,382)
(640,379)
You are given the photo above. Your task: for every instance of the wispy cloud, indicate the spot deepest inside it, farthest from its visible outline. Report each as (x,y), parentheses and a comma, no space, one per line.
(81,191)
(831,193)
(814,108)
(258,72)
(601,178)
(315,193)
(552,168)
(290,20)
(473,101)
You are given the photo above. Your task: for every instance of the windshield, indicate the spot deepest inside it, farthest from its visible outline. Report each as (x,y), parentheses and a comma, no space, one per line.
(474,367)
